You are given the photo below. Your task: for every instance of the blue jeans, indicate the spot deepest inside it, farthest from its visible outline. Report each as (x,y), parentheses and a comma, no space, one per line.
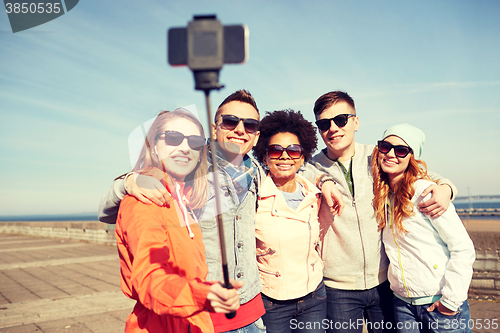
(416,318)
(305,314)
(347,308)
(255,327)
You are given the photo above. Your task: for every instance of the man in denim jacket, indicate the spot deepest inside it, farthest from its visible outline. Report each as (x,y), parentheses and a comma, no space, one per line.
(235,130)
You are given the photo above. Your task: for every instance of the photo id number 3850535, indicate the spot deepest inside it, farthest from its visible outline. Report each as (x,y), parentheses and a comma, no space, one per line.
(32,8)
(472,323)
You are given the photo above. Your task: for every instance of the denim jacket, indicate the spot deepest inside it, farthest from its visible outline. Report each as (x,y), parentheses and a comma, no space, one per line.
(239,230)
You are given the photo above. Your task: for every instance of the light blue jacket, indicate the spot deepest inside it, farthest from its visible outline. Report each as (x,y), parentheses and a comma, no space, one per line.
(239,230)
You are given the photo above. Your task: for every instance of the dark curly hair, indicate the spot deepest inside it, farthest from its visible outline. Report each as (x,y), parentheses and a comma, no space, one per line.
(286,121)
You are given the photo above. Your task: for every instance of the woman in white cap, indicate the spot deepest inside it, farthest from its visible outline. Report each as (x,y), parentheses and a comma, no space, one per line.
(430,259)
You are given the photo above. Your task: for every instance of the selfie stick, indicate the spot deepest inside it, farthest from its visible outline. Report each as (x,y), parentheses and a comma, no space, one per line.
(201,47)
(220,223)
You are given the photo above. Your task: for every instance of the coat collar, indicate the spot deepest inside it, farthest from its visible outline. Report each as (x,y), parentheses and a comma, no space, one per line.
(268,187)
(268,190)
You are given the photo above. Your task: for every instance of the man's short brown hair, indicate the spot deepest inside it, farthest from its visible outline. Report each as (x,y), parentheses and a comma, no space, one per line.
(239,96)
(331,98)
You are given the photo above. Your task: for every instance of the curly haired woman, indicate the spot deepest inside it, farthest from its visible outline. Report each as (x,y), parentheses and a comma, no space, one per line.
(287,228)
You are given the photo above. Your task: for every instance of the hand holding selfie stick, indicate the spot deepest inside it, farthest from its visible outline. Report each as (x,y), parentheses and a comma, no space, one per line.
(205,46)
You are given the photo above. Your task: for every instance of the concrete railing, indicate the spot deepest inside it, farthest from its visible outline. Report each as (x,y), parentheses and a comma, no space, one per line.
(87,231)
(485,281)
(470,212)
(486,278)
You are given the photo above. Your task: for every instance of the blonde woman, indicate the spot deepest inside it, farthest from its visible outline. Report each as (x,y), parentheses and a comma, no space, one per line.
(161,249)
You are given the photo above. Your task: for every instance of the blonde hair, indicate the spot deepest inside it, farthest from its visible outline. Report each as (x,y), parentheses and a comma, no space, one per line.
(402,194)
(148,159)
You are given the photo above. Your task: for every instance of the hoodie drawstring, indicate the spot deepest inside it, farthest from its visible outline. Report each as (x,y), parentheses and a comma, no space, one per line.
(184,210)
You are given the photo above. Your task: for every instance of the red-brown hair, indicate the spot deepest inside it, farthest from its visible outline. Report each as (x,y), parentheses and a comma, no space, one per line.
(402,194)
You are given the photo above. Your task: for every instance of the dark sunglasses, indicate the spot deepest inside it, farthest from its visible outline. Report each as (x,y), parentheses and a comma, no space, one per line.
(400,151)
(275,151)
(339,120)
(173,138)
(230,122)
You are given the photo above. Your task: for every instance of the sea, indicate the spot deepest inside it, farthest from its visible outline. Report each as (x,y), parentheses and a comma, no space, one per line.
(485,206)
(477,203)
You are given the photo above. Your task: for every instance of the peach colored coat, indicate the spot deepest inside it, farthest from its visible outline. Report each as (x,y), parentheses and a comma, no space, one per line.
(287,242)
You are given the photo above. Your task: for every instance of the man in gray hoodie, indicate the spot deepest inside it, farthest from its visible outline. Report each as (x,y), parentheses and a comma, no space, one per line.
(355,263)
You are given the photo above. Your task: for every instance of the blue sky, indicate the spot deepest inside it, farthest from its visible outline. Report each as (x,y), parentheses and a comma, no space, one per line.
(73,89)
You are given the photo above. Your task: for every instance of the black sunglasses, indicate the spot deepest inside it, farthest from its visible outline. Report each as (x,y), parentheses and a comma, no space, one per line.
(230,122)
(275,151)
(339,120)
(400,151)
(173,138)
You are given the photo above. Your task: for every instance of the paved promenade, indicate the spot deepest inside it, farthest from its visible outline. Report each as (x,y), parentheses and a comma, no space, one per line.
(52,285)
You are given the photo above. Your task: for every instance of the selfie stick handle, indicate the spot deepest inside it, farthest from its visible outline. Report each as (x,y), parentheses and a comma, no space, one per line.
(220,224)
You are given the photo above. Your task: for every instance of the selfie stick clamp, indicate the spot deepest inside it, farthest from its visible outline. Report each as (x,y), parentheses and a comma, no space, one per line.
(207,80)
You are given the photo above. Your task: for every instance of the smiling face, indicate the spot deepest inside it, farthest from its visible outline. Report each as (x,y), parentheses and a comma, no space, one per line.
(392,165)
(284,168)
(237,142)
(339,140)
(178,161)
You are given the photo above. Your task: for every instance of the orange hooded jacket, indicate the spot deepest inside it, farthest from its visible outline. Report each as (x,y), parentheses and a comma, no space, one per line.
(163,267)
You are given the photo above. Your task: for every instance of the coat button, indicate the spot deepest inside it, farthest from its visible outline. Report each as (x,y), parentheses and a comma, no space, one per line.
(239,275)
(240,245)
